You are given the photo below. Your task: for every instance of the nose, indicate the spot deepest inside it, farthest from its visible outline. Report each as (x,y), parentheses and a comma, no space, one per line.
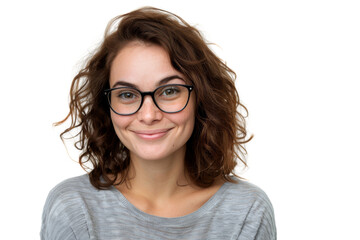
(149,112)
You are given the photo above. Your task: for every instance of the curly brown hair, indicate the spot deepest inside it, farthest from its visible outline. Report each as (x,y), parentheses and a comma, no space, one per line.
(217,142)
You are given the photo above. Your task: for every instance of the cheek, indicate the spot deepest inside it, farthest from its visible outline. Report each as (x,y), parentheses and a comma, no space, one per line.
(186,120)
(191,117)
(119,123)
(190,112)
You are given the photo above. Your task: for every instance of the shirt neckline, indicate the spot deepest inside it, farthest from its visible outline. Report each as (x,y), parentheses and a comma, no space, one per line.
(182,221)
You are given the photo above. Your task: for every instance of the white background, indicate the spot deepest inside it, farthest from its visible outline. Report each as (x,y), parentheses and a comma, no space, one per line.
(298,66)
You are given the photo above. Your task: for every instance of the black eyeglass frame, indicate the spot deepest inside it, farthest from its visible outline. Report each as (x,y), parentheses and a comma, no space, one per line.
(143,94)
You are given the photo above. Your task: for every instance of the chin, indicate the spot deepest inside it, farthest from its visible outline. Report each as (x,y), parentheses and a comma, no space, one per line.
(152,153)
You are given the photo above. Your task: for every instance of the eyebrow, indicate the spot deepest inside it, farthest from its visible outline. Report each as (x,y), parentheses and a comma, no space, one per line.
(161,82)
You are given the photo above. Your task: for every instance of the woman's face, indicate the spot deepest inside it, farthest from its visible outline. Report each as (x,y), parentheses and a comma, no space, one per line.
(150,133)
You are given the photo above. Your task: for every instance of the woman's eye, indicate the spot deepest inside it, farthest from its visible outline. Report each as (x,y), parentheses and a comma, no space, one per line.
(170,91)
(126,95)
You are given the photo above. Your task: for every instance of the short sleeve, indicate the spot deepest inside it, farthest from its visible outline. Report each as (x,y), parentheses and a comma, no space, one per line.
(63,217)
(55,224)
(56,227)
(260,220)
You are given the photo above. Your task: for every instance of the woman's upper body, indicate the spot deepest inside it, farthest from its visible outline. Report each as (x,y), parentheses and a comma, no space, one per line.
(157,114)
(77,210)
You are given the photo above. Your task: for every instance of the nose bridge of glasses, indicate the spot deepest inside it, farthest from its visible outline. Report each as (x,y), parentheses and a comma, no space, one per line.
(151,95)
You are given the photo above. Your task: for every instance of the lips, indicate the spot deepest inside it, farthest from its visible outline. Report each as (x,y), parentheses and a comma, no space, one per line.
(151,134)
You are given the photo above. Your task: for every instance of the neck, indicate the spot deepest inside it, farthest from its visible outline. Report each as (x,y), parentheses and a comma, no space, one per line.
(157,179)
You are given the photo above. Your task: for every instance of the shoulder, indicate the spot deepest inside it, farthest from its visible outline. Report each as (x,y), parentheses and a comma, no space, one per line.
(251,204)
(64,208)
(69,191)
(69,194)
(246,192)
(73,186)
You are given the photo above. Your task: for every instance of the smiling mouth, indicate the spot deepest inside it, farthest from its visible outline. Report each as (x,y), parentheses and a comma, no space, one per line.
(152,134)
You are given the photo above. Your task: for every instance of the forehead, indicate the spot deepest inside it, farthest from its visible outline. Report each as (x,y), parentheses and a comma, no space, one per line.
(143,65)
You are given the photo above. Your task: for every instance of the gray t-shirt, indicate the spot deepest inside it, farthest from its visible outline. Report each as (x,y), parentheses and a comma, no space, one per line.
(75,209)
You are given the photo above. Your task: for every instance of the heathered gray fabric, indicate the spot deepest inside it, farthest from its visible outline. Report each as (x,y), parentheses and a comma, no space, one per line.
(75,209)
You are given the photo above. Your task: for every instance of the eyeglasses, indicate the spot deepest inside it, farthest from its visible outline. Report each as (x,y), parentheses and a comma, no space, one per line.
(171,98)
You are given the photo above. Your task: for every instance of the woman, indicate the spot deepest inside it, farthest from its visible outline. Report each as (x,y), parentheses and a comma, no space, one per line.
(157,117)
